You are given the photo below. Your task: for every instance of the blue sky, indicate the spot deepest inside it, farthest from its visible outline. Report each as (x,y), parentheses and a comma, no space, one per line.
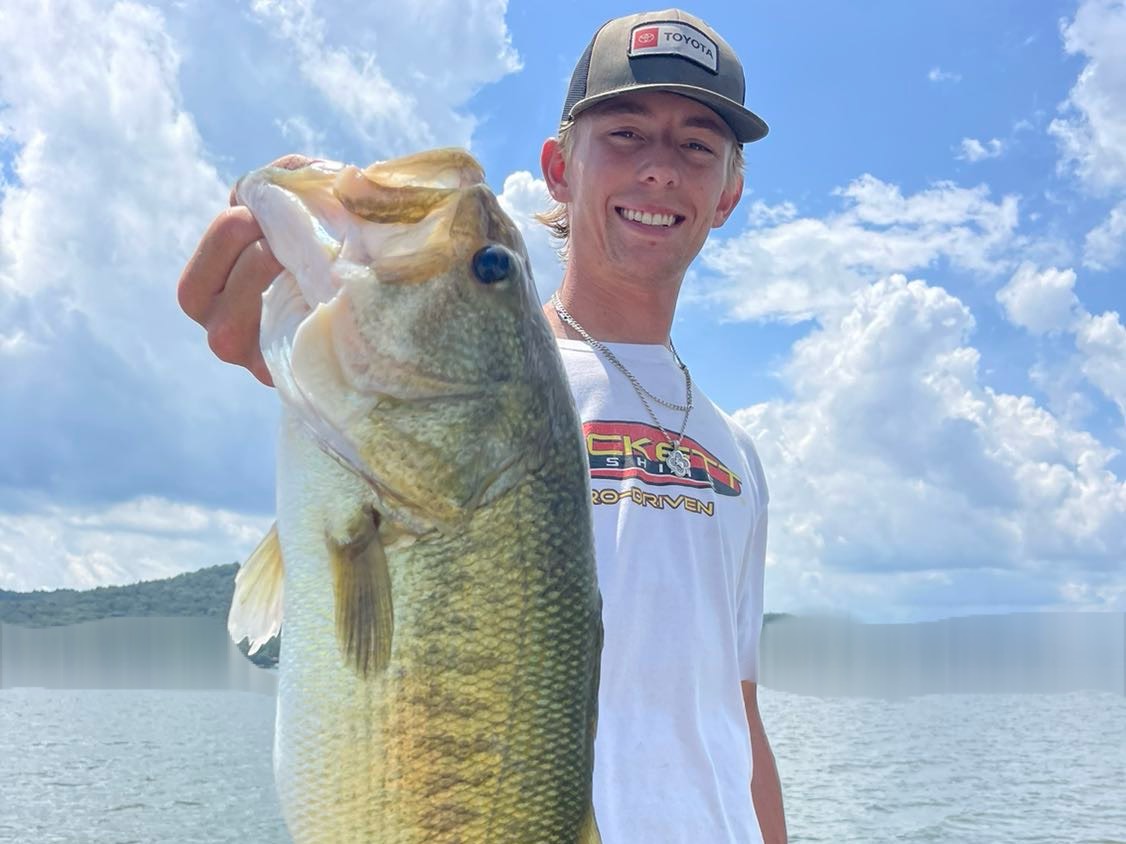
(916,309)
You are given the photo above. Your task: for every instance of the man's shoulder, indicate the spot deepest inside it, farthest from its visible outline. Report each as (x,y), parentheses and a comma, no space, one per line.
(739,432)
(745,443)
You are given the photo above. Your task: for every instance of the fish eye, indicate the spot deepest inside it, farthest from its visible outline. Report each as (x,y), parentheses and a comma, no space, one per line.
(491,264)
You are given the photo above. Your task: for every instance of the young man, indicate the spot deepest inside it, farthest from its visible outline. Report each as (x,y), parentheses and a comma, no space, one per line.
(648,161)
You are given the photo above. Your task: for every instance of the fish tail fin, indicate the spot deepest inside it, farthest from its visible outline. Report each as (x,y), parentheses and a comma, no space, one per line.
(256,609)
(364,612)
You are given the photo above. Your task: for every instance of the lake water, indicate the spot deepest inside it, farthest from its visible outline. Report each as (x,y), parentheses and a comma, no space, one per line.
(118,766)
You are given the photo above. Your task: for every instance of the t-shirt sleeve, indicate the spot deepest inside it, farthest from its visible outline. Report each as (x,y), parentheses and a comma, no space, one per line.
(749,607)
(752,576)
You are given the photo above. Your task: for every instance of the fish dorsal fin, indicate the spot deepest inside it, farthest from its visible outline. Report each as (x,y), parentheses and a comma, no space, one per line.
(256,609)
(362,584)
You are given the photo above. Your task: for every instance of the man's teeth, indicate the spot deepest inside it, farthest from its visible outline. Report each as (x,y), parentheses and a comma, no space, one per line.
(648,219)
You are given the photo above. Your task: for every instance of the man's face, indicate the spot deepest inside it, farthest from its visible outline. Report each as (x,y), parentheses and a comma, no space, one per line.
(648,176)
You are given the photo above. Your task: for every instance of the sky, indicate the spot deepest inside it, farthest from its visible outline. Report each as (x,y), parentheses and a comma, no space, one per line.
(915,310)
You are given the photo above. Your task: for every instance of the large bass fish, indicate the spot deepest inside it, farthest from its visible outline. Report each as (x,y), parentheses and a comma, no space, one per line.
(438,677)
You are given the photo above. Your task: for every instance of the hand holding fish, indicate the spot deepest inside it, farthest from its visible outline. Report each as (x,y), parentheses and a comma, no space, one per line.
(221,285)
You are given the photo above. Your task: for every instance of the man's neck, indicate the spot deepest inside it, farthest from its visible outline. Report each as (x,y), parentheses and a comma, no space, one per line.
(614,311)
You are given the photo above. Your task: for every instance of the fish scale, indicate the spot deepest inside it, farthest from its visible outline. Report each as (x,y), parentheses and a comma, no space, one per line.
(517,732)
(470,750)
(434,554)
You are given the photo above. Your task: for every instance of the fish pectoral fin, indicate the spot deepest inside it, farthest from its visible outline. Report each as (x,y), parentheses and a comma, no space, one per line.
(362,582)
(256,608)
(589,833)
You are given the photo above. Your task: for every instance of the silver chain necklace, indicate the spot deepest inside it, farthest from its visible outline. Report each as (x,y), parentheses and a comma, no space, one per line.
(677,461)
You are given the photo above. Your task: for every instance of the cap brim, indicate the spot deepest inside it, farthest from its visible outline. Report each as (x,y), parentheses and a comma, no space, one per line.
(747,126)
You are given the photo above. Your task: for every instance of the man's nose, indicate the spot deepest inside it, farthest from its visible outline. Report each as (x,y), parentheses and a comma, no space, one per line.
(660,166)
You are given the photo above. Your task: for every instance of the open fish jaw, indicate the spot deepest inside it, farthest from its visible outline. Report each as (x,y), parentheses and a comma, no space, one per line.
(382,314)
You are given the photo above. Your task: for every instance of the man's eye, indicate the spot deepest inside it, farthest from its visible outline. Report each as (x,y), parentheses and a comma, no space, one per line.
(696,145)
(624,133)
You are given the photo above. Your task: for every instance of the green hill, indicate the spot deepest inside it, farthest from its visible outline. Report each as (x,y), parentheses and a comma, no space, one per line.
(204,593)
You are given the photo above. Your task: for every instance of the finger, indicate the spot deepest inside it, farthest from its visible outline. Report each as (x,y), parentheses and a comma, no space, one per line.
(258,369)
(233,324)
(205,275)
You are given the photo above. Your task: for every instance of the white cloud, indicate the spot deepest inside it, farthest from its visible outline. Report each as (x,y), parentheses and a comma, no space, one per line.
(117,393)
(523,196)
(349,79)
(1092,129)
(804,267)
(973,150)
(109,391)
(109,172)
(105,188)
(1101,340)
(144,539)
(937,74)
(1061,380)
(892,465)
(1043,302)
(1040,301)
(365,65)
(1105,245)
(312,142)
(761,214)
(15,344)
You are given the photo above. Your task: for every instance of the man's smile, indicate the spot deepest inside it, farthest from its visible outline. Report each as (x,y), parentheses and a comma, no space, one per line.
(648,218)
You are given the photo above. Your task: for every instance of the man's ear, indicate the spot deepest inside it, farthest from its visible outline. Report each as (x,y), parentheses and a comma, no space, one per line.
(554,167)
(730,197)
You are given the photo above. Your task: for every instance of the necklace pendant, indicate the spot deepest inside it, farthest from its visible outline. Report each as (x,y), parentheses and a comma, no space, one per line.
(678,462)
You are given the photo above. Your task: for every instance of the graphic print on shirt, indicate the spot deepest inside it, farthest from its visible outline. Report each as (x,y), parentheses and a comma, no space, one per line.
(618,450)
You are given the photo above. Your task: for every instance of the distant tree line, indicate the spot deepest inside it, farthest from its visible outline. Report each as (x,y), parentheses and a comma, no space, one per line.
(203,593)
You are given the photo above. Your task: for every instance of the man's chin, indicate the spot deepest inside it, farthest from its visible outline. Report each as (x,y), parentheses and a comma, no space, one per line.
(653,263)
(665,252)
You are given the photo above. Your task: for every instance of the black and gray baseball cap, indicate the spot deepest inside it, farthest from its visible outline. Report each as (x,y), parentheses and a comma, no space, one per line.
(663,51)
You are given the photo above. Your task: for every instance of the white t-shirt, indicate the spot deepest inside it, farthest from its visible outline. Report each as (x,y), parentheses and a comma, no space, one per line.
(680,566)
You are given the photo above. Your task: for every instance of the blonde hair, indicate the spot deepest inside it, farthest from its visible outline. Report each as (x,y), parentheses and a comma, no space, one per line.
(555,217)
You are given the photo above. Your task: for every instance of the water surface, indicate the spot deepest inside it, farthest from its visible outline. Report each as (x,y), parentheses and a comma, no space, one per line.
(117,766)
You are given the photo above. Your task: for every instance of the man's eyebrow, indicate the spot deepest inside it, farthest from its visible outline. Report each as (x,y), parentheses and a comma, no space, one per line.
(614,107)
(620,107)
(714,124)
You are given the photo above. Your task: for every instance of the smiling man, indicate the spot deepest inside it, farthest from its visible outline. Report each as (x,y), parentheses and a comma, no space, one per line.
(647,161)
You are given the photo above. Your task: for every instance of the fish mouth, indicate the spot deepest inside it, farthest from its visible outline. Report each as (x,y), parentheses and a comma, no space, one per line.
(340,327)
(407,190)
(424,230)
